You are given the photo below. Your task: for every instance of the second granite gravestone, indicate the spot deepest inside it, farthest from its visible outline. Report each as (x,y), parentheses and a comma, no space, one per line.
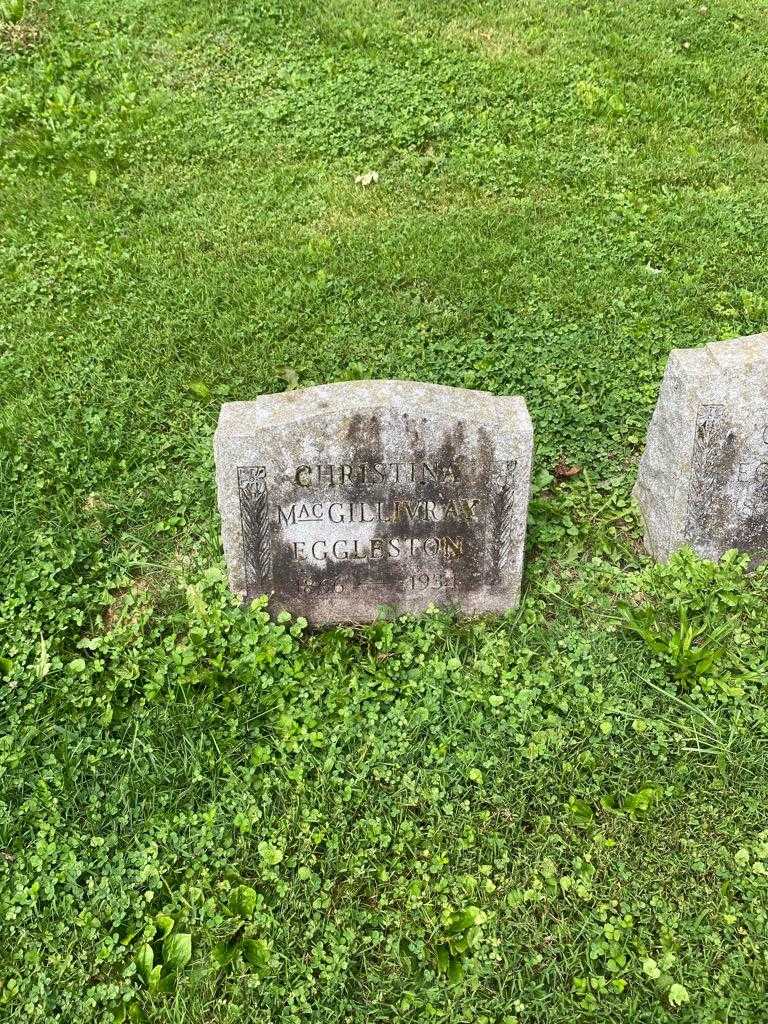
(339,499)
(703,478)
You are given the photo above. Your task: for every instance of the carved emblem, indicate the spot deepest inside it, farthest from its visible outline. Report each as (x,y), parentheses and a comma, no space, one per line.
(257,538)
(505,507)
(714,436)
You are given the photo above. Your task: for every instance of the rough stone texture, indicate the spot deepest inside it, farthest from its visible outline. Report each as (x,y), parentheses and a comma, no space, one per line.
(703,478)
(336,500)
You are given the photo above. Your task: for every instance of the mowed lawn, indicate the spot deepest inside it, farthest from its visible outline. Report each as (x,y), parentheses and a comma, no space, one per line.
(209,817)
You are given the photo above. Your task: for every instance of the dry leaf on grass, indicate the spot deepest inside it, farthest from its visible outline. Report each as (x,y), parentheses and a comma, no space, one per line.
(564,472)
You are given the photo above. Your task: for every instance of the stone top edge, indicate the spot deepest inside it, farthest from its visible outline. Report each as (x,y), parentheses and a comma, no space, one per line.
(241,418)
(724,355)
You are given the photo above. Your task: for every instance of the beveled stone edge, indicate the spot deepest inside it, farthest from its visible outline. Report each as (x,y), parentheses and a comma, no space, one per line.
(242,418)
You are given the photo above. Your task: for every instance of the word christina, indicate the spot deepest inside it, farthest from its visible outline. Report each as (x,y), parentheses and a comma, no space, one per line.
(375,549)
(374,473)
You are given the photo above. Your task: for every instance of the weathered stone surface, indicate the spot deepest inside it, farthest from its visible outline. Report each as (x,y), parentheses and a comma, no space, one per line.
(703,478)
(336,500)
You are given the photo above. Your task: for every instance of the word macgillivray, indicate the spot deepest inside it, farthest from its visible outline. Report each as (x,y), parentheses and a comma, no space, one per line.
(392,511)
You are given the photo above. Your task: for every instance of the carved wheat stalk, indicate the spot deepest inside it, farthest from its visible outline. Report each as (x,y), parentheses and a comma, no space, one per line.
(711,428)
(254,517)
(506,507)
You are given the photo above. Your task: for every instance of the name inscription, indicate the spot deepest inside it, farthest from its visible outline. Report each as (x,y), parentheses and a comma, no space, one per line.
(412,526)
(326,474)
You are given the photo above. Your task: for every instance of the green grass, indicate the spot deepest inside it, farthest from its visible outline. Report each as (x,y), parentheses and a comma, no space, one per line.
(548,817)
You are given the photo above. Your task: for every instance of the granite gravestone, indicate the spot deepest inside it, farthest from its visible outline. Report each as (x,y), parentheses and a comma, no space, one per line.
(703,478)
(340,499)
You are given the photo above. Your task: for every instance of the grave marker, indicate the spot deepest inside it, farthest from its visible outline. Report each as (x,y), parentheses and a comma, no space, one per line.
(703,477)
(339,499)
